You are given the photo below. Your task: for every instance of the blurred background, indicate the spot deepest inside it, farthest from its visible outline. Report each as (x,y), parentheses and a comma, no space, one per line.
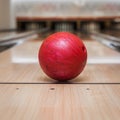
(60,15)
(81,17)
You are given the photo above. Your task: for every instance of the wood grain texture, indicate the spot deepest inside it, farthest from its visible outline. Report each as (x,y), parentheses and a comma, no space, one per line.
(20,64)
(59,102)
(41,101)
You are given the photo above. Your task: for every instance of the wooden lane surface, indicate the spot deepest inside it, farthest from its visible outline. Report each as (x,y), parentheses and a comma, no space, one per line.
(20,65)
(59,102)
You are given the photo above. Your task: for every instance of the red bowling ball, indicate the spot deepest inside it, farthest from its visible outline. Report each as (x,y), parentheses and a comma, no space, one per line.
(62,56)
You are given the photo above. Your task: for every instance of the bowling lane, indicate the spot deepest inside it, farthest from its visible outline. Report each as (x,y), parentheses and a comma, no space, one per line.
(20,65)
(59,102)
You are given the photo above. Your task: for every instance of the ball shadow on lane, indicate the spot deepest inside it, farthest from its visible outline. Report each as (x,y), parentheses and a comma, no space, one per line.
(77,80)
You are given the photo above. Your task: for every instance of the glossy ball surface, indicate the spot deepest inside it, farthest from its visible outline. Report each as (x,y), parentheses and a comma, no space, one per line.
(62,56)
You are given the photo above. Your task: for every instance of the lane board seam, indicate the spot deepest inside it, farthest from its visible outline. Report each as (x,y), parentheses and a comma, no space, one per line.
(60,83)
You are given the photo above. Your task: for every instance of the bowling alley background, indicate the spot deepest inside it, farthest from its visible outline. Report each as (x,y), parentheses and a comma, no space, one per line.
(62,15)
(68,15)
(34,67)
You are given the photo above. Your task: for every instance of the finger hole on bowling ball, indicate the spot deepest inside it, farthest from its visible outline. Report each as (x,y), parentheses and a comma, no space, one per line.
(83,48)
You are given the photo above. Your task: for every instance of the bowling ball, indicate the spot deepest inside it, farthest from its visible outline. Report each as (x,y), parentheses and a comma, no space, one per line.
(62,56)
